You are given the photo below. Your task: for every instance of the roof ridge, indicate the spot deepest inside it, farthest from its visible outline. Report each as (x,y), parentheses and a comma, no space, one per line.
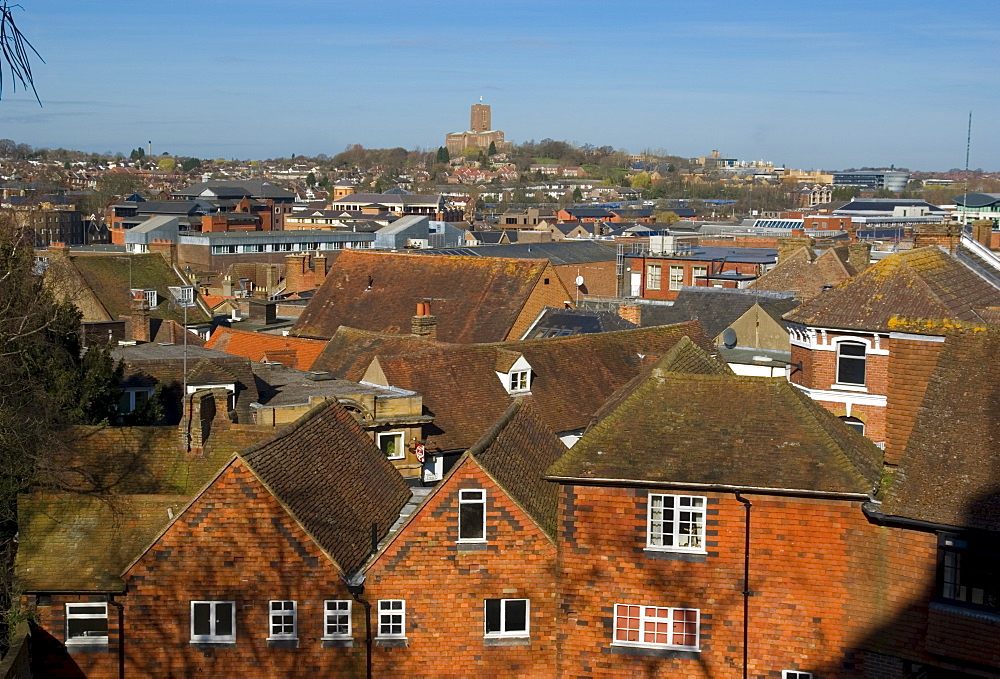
(491,434)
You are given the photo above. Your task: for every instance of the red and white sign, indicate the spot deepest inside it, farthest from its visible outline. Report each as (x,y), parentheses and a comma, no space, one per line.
(420,451)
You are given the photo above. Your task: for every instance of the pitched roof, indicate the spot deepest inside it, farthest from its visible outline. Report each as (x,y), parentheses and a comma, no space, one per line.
(715,308)
(552,322)
(326,471)
(110,279)
(516,452)
(236,188)
(805,276)
(475,299)
(70,542)
(724,431)
(132,460)
(294,352)
(922,283)
(559,253)
(949,472)
(571,376)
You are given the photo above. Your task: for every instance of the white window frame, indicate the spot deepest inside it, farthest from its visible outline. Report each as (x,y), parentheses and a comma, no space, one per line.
(503,632)
(400,448)
(654,276)
(84,639)
(213,637)
(676,281)
(338,612)
(151,297)
(520,381)
(282,612)
(863,358)
(385,610)
(795,674)
(855,424)
(467,496)
(645,618)
(698,271)
(685,510)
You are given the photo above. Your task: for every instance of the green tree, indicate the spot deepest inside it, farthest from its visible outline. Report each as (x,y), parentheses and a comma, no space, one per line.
(167,165)
(442,155)
(667,217)
(137,154)
(311,179)
(492,150)
(577,194)
(190,164)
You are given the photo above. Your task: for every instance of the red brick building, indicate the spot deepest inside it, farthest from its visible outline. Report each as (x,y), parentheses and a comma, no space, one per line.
(655,275)
(473,568)
(847,339)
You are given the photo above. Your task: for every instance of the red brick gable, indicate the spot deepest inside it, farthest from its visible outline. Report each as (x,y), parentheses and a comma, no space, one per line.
(445,585)
(234,542)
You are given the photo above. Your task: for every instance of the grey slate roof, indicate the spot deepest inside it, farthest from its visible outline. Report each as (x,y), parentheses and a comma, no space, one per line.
(248,188)
(715,308)
(559,253)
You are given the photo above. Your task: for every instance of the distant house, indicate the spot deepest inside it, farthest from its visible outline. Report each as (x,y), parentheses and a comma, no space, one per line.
(474,299)
(800,270)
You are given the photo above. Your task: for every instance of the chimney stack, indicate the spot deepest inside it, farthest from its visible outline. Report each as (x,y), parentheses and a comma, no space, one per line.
(946,235)
(631,312)
(982,231)
(859,256)
(788,246)
(137,324)
(424,325)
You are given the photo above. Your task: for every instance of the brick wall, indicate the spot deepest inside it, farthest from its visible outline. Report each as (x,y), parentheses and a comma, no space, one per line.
(823,580)
(445,585)
(599,278)
(548,291)
(234,543)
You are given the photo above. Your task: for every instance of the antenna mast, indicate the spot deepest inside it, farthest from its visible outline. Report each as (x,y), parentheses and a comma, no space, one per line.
(968,143)
(965,198)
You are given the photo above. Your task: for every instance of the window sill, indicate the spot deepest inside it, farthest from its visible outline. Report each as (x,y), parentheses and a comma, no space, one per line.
(88,646)
(670,555)
(849,387)
(338,643)
(506,641)
(391,642)
(650,652)
(214,644)
(282,643)
(472,546)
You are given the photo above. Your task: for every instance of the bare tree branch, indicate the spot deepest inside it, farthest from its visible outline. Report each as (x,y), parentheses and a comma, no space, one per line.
(16,51)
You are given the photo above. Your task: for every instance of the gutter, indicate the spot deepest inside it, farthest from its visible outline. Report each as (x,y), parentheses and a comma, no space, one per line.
(869,509)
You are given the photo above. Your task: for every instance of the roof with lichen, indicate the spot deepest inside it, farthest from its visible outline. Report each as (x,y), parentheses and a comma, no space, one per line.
(923,283)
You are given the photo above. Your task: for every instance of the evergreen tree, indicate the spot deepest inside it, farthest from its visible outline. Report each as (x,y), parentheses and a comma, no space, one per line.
(493,149)
(311,179)
(442,155)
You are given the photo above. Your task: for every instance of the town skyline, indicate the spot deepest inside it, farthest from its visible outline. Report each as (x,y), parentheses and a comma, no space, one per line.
(826,88)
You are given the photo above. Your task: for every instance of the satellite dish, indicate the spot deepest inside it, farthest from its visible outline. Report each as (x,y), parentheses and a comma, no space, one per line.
(579,281)
(729,338)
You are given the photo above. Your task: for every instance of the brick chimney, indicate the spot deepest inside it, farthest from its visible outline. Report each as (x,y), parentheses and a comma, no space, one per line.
(859,256)
(205,411)
(982,231)
(424,325)
(295,266)
(137,324)
(947,235)
(631,312)
(320,268)
(787,246)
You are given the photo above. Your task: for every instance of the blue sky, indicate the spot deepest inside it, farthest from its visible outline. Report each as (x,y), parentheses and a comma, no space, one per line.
(811,85)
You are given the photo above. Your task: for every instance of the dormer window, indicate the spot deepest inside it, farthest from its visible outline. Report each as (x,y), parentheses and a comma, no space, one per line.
(520,380)
(515,374)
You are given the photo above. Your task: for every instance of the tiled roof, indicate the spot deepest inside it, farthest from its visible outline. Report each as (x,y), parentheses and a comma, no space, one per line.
(475,299)
(326,471)
(552,322)
(799,273)
(516,452)
(571,376)
(727,431)
(111,277)
(922,283)
(131,460)
(295,352)
(559,253)
(949,472)
(350,351)
(69,542)
(685,357)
